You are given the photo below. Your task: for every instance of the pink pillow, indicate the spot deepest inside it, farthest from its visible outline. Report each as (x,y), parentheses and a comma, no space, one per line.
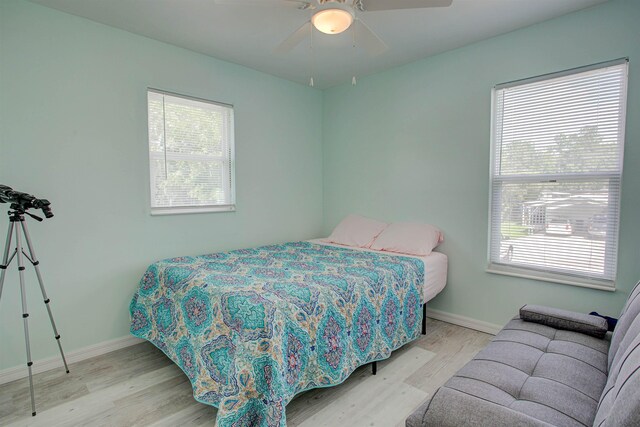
(356,230)
(410,238)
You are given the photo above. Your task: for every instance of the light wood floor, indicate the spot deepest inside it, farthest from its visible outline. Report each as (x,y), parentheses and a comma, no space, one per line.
(139,386)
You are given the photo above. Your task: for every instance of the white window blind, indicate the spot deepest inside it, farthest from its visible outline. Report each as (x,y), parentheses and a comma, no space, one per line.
(556,169)
(191,154)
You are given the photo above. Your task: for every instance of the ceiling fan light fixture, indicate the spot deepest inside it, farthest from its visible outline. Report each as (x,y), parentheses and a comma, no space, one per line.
(332,21)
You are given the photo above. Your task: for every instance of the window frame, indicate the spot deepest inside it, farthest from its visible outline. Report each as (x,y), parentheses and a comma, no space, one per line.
(574,279)
(228,164)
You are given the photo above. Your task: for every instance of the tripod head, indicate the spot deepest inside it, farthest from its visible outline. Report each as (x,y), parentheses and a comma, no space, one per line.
(17,213)
(21,202)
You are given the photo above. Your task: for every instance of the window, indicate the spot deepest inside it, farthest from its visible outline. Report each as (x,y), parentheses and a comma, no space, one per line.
(556,169)
(191,154)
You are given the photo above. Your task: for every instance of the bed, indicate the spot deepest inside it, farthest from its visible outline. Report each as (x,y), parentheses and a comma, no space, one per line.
(435,269)
(252,328)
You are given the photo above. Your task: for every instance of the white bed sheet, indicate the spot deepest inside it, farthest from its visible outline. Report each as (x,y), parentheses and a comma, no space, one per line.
(435,268)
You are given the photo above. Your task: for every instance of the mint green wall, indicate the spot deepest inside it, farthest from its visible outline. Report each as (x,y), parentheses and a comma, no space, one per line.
(73,129)
(412,143)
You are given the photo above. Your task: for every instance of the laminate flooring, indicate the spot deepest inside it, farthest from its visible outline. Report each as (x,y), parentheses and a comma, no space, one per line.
(140,386)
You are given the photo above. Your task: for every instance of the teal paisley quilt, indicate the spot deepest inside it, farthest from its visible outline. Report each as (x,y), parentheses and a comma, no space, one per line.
(252,328)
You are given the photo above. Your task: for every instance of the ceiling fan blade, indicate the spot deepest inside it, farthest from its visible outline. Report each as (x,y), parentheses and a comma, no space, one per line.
(373,5)
(369,40)
(294,39)
(298,4)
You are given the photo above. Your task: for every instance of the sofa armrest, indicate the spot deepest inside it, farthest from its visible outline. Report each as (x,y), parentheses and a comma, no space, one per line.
(452,408)
(417,416)
(564,319)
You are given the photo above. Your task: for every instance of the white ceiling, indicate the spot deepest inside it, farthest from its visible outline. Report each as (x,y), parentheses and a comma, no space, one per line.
(248,34)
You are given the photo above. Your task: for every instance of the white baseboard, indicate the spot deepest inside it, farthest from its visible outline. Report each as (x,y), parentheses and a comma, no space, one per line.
(17,372)
(467,322)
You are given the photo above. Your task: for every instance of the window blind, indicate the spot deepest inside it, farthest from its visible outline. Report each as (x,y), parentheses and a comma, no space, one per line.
(556,169)
(190,154)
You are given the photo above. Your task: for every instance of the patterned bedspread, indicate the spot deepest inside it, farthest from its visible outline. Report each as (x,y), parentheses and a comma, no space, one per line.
(252,328)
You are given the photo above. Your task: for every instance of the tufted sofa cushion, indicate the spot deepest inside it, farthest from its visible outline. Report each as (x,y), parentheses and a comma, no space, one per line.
(533,374)
(629,313)
(542,374)
(620,402)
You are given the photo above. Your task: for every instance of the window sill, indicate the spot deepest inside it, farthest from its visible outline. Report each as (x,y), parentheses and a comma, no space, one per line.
(553,278)
(192,210)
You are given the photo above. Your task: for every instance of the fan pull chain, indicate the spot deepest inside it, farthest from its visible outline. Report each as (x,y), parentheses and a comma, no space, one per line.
(354,48)
(313,59)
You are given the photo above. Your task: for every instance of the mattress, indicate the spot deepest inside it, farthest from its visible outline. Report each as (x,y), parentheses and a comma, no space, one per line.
(435,269)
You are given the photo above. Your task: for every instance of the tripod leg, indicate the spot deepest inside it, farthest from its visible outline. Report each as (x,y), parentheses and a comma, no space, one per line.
(25,313)
(5,257)
(36,265)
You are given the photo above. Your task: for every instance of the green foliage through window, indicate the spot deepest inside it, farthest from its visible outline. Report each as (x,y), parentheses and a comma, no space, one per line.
(191,152)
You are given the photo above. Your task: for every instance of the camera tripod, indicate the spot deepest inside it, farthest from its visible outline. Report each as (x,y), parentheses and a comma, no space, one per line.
(16,222)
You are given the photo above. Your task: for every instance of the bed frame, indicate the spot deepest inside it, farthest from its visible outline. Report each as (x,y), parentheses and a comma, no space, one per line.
(374,365)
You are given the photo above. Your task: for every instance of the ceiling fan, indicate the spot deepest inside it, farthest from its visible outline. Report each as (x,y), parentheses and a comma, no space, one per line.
(337,16)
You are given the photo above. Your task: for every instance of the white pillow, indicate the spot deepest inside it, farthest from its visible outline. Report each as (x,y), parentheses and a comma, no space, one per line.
(356,230)
(410,238)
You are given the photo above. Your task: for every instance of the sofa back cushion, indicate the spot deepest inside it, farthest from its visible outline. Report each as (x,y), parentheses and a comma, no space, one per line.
(619,404)
(629,313)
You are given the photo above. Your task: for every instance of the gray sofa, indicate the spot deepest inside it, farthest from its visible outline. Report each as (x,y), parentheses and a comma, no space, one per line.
(545,372)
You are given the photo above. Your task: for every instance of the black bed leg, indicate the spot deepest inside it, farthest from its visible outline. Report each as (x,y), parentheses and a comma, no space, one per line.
(374,368)
(424,319)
